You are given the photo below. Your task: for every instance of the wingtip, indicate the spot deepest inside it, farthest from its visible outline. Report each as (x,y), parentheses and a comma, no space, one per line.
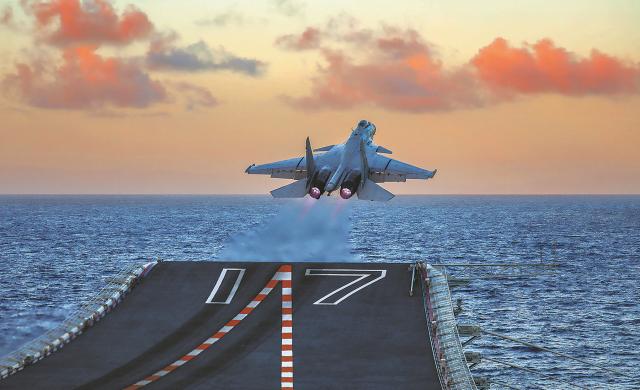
(249,167)
(434,173)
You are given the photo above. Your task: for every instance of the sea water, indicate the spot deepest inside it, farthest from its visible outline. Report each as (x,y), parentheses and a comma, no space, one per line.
(56,251)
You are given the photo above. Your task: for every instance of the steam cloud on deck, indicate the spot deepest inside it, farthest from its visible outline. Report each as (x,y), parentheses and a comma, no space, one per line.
(302,231)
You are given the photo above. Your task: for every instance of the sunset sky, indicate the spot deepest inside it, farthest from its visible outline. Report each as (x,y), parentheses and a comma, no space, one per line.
(179,97)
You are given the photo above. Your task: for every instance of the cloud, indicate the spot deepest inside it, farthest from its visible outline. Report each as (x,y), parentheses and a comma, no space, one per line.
(340,29)
(6,17)
(399,73)
(84,80)
(67,22)
(199,57)
(289,7)
(223,19)
(415,83)
(544,67)
(397,69)
(195,96)
(309,39)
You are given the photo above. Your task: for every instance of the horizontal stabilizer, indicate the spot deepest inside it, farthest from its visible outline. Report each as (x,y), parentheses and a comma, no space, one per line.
(297,189)
(372,191)
(324,148)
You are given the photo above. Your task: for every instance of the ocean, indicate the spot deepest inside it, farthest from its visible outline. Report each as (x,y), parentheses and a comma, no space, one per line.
(56,251)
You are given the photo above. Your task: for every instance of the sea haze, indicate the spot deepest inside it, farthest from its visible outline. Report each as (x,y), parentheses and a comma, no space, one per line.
(55,251)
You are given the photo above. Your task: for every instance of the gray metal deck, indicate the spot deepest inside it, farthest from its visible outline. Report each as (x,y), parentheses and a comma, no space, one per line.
(368,335)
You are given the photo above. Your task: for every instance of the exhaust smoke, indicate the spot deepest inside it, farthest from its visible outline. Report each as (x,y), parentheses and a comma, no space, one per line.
(306,230)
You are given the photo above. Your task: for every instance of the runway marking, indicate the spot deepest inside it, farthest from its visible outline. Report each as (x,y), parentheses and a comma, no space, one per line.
(286,331)
(234,289)
(282,277)
(362,273)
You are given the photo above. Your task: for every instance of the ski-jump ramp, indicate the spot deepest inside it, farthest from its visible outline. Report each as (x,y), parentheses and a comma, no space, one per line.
(240,325)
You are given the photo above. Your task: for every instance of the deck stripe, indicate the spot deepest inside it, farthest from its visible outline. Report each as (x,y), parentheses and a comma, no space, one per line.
(282,276)
(286,349)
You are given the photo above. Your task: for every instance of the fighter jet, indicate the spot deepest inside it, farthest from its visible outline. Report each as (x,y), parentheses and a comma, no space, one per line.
(354,167)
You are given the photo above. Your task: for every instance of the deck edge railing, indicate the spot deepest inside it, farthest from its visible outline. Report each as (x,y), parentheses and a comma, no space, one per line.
(76,323)
(448,354)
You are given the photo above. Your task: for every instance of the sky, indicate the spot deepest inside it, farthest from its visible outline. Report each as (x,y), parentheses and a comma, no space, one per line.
(179,97)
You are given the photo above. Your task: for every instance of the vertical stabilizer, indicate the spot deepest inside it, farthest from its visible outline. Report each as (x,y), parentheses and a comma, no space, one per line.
(364,165)
(311,165)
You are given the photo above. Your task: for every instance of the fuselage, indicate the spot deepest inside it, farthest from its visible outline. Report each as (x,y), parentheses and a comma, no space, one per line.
(356,166)
(344,164)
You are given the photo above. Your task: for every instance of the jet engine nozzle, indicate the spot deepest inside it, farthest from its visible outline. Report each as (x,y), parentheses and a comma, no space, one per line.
(315,192)
(345,193)
(318,183)
(350,184)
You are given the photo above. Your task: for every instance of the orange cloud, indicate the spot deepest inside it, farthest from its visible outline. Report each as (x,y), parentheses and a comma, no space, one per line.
(84,80)
(6,17)
(401,73)
(399,70)
(309,39)
(544,67)
(63,22)
(410,83)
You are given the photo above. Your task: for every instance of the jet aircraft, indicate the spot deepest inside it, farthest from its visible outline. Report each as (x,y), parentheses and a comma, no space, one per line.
(355,167)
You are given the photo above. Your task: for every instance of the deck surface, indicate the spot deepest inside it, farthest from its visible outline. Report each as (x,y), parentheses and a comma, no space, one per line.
(369,335)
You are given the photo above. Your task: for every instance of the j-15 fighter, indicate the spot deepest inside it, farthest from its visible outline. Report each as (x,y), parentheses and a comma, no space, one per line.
(354,167)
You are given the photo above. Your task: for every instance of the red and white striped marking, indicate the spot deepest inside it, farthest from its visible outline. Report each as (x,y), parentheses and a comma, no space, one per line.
(283,275)
(286,364)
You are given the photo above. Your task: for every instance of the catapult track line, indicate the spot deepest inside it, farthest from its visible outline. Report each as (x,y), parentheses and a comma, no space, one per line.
(283,276)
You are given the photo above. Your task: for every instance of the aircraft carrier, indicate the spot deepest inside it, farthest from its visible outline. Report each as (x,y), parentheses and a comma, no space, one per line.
(241,325)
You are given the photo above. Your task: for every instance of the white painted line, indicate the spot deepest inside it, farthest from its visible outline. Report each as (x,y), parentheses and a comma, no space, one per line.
(349,272)
(266,291)
(283,276)
(234,289)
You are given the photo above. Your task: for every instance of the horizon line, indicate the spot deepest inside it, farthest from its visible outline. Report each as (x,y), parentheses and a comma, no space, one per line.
(267,194)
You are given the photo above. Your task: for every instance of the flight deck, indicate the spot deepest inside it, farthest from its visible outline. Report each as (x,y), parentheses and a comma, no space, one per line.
(240,325)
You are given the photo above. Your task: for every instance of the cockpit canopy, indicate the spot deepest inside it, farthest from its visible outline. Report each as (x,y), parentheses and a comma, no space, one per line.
(367,131)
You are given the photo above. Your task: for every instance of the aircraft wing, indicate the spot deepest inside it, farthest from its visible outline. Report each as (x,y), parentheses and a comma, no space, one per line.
(293,168)
(383,169)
